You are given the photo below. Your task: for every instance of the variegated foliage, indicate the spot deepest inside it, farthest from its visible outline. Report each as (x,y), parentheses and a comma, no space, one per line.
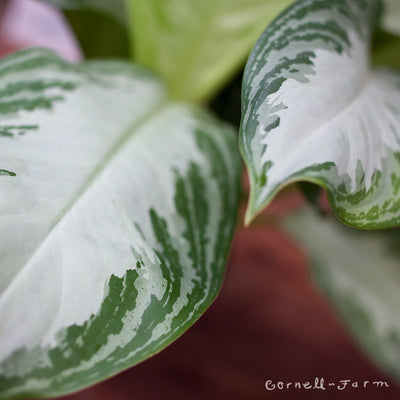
(314,110)
(117,208)
(359,273)
(197,44)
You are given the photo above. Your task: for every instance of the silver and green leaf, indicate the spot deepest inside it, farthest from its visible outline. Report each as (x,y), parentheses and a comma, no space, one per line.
(359,273)
(117,208)
(314,110)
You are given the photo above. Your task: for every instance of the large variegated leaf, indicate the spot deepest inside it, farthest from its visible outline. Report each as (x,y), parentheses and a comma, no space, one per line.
(313,110)
(115,8)
(197,44)
(116,213)
(359,273)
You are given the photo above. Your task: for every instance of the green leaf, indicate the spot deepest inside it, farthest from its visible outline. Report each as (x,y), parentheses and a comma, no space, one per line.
(314,110)
(116,215)
(391,16)
(116,8)
(99,34)
(197,45)
(386,50)
(359,273)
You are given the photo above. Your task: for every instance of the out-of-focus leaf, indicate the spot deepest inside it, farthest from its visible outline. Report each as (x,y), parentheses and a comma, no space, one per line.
(391,16)
(117,208)
(386,50)
(197,45)
(313,110)
(116,8)
(359,273)
(99,35)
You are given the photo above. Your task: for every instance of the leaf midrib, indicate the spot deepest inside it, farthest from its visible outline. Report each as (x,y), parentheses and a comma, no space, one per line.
(119,144)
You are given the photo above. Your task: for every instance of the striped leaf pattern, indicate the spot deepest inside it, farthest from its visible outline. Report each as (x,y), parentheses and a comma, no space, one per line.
(117,208)
(314,110)
(359,273)
(197,45)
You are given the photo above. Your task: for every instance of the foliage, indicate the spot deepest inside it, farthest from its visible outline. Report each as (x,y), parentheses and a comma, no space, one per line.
(359,274)
(177,39)
(320,55)
(119,195)
(128,263)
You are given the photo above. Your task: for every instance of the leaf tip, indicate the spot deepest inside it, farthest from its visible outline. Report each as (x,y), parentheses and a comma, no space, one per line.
(253,208)
(248,218)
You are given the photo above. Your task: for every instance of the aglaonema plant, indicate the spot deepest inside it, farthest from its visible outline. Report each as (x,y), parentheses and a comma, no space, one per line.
(119,192)
(315,109)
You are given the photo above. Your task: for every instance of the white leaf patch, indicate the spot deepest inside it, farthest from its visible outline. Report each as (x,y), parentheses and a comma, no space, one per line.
(117,208)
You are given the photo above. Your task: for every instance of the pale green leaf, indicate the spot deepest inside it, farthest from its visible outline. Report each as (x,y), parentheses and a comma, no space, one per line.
(314,110)
(391,16)
(359,273)
(117,209)
(116,8)
(197,45)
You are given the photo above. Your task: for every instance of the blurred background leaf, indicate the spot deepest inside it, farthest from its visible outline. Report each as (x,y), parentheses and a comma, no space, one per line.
(386,49)
(197,45)
(391,16)
(359,273)
(99,34)
(116,8)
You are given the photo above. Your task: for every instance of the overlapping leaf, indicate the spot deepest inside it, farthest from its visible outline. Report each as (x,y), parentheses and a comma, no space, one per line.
(116,213)
(359,272)
(313,110)
(196,45)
